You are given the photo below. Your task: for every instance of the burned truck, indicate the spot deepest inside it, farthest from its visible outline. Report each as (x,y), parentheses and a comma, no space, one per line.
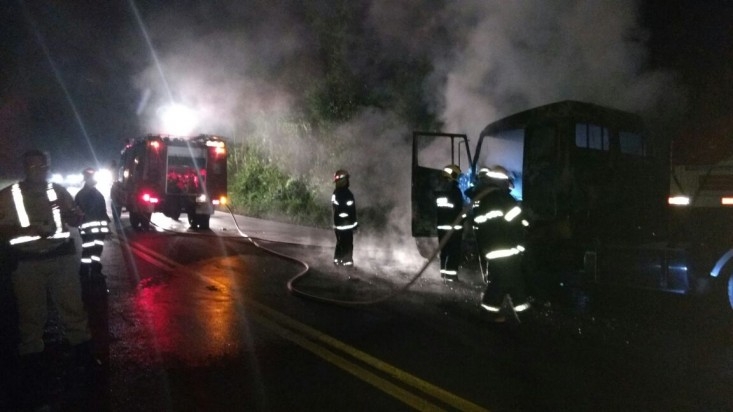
(595,185)
(171,175)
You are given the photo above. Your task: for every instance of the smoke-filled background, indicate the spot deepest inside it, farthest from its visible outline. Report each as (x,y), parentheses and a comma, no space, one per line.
(320,85)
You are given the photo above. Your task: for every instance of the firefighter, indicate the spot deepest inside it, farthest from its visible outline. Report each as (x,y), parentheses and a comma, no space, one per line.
(500,228)
(94,228)
(449,214)
(344,219)
(38,222)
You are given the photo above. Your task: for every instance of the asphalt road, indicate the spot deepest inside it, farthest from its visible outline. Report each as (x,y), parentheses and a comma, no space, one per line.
(216,320)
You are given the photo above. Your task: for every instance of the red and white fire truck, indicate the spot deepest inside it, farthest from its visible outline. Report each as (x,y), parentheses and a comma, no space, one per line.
(171,175)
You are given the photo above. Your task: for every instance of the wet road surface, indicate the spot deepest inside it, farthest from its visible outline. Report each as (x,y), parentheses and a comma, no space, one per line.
(197,323)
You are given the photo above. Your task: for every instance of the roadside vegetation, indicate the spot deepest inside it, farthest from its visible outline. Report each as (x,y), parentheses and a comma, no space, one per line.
(259,187)
(267,174)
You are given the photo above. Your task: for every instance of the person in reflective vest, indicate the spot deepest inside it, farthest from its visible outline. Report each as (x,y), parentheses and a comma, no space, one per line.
(38,222)
(449,219)
(344,219)
(500,230)
(94,228)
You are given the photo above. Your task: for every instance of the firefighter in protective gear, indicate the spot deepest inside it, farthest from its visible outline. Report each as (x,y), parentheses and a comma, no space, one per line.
(94,228)
(500,230)
(344,219)
(449,214)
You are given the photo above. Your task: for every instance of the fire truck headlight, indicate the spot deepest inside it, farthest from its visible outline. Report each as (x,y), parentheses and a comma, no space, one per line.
(220,201)
(202,198)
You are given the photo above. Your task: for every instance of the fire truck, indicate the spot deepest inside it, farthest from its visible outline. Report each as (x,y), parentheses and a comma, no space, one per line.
(171,175)
(595,184)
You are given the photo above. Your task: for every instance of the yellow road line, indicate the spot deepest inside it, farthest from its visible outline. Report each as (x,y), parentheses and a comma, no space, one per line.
(281,321)
(361,373)
(411,380)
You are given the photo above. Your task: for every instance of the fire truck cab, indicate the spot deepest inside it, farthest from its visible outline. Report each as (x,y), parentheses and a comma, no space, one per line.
(171,175)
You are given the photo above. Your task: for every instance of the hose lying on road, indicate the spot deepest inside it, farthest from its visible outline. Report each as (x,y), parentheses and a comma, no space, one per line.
(306,268)
(297,292)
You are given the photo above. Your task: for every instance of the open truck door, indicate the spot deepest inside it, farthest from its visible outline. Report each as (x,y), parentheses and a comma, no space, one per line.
(431,152)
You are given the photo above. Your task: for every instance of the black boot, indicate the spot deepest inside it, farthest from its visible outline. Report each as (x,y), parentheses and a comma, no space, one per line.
(30,390)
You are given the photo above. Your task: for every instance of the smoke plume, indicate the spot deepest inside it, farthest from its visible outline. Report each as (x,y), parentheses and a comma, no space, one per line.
(245,68)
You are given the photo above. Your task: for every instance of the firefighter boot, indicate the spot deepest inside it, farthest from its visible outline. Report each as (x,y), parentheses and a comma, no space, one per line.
(32,387)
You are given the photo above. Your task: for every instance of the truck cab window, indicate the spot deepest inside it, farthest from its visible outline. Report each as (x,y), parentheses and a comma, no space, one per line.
(591,136)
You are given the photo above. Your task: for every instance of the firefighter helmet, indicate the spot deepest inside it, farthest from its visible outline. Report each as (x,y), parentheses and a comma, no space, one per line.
(501,174)
(497,175)
(341,178)
(451,172)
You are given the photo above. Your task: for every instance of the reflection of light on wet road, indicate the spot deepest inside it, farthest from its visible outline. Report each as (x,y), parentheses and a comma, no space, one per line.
(191,321)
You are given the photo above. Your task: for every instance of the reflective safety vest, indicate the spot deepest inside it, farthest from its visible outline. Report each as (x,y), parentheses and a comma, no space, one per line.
(59,233)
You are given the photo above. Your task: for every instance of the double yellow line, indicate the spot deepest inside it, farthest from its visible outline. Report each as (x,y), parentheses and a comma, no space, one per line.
(335,352)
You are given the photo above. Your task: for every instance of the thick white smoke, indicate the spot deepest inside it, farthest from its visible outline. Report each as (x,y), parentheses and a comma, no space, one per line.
(490,59)
(507,56)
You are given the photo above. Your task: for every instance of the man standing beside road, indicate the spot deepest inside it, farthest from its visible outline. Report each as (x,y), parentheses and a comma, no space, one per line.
(38,223)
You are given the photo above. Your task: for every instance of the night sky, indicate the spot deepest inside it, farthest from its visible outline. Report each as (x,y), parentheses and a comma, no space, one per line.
(73,73)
